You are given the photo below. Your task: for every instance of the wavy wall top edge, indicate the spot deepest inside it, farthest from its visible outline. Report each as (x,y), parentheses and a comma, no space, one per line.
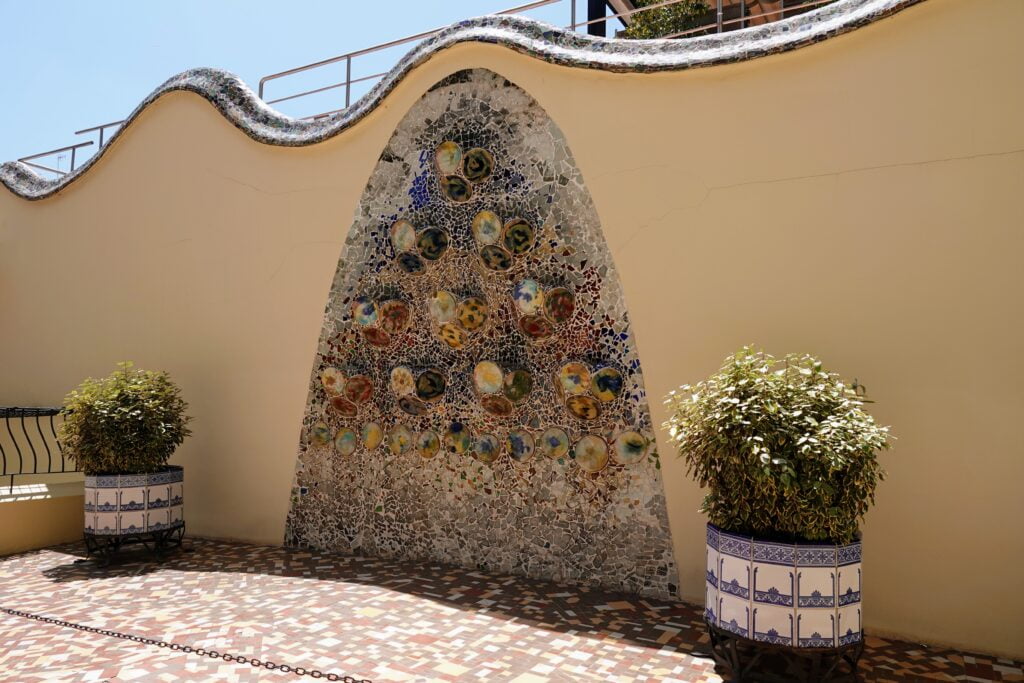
(247,112)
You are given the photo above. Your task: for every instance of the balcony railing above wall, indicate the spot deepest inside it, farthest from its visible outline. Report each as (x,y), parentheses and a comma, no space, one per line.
(29,445)
(725,15)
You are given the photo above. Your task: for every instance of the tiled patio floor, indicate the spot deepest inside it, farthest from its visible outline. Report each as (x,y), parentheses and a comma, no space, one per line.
(373,619)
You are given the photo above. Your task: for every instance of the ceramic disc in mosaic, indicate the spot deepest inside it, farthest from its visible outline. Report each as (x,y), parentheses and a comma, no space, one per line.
(394,316)
(413,406)
(560,304)
(399,439)
(517,385)
(345,441)
(629,447)
(495,258)
(536,327)
(359,389)
(458,439)
(520,445)
(472,313)
(452,335)
(333,380)
(320,434)
(519,236)
(411,263)
(403,235)
(403,382)
(441,305)
(487,448)
(448,157)
(486,227)
(344,407)
(554,443)
(364,311)
(376,337)
(427,444)
(477,164)
(456,189)
(372,435)
(497,405)
(583,407)
(529,297)
(487,377)
(606,384)
(590,453)
(432,243)
(430,385)
(574,378)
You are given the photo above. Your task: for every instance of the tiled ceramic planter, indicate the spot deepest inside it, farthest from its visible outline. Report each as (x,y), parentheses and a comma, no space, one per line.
(128,504)
(800,595)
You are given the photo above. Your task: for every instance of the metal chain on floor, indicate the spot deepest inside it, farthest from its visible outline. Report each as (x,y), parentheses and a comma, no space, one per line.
(202,652)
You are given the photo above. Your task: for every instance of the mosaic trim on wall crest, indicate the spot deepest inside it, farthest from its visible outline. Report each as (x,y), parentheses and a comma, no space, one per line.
(477,397)
(240,105)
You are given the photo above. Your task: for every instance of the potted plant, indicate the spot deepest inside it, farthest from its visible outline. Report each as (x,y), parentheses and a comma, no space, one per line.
(788,455)
(121,431)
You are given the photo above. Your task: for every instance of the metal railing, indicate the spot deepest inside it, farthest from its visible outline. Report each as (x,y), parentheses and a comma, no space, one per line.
(725,15)
(70,148)
(29,445)
(348,57)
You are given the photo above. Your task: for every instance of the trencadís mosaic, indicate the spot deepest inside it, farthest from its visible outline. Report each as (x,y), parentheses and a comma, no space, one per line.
(477,396)
(240,105)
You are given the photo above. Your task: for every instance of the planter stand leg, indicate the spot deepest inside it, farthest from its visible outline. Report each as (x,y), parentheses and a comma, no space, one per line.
(102,548)
(748,660)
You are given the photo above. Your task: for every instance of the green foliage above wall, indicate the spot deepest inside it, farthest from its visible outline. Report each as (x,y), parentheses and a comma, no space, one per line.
(666,21)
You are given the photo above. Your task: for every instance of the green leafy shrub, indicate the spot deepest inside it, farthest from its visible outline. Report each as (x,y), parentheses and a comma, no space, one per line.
(666,21)
(785,448)
(127,423)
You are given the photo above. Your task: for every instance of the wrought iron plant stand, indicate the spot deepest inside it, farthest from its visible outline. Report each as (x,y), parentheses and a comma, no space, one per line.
(157,543)
(756,661)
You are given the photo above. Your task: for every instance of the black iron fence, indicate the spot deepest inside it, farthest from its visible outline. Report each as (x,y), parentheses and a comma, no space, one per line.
(29,445)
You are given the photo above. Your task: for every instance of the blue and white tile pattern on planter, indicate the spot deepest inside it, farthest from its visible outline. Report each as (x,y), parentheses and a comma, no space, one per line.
(119,505)
(806,595)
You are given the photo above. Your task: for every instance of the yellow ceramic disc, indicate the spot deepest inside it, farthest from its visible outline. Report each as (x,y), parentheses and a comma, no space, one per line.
(590,453)
(441,305)
(399,440)
(372,435)
(427,444)
(333,381)
(487,377)
(448,157)
(403,235)
(403,383)
(487,227)
(574,378)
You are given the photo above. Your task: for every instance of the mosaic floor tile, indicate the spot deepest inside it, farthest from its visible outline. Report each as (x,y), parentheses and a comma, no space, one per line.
(371,618)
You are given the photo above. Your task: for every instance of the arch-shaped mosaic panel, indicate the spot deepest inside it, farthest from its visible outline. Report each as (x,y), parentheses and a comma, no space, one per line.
(476,396)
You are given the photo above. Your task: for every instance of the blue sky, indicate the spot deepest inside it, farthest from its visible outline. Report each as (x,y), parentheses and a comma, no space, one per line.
(72,64)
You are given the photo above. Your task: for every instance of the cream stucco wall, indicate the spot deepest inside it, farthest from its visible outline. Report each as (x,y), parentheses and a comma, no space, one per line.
(859,199)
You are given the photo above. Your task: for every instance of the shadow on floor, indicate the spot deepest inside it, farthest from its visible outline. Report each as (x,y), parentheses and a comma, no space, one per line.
(579,610)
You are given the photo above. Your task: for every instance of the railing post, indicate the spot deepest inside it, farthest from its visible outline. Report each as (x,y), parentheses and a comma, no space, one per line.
(348,81)
(572,15)
(101,136)
(73,150)
(596,10)
(718,15)
(743,13)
